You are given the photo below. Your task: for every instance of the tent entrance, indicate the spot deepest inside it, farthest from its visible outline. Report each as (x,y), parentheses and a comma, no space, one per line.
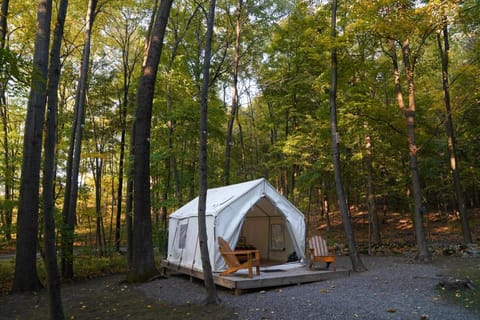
(265,228)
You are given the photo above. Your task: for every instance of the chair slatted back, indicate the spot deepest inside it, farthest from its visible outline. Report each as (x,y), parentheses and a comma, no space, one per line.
(319,246)
(230,259)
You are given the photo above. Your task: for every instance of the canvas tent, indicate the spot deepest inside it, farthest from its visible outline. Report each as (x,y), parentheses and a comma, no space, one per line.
(250,214)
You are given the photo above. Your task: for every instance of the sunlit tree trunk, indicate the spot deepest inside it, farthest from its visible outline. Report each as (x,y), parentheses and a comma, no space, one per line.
(26,277)
(409,112)
(444,50)
(73,162)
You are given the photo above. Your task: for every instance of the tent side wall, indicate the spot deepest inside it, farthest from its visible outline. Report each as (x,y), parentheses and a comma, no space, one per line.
(183,244)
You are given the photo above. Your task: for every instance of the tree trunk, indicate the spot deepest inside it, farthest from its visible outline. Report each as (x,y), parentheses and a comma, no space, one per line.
(123,123)
(26,277)
(7,170)
(357,263)
(202,198)
(118,216)
(372,206)
(143,263)
(129,199)
(71,187)
(409,112)
(51,266)
(3,22)
(97,169)
(128,65)
(467,235)
(232,116)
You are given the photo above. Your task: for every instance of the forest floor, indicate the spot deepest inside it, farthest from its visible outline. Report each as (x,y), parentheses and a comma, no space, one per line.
(108,297)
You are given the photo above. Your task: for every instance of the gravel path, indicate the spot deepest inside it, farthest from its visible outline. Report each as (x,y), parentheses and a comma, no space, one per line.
(392,289)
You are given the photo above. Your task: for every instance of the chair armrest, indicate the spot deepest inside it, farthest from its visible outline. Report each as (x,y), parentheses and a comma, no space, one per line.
(245,251)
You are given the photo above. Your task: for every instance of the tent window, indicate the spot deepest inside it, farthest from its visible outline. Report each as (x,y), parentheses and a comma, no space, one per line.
(183,236)
(278,236)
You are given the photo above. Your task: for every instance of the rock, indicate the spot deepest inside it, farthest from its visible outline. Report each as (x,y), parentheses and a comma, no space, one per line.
(451,283)
(472,250)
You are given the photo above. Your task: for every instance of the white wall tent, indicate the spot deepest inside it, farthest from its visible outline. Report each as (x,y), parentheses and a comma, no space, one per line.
(246,214)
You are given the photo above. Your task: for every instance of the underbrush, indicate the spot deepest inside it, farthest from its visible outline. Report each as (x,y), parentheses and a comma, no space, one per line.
(86,265)
(469,298)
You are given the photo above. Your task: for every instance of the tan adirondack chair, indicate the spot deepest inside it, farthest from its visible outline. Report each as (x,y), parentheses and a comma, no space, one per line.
(231,259)
(319,252)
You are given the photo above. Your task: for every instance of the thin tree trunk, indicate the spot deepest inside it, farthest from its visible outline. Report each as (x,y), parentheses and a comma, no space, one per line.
(211,291)
(53,276)
(143,263)
(409,112)
(26,277)
(233,112)
(171,160)
(71,188)
(118,217)
(123,121)
(423,252)
(372,206)
(8,172)
(467,235)
(97,169)
(357,263)
(127,77)
(129,199)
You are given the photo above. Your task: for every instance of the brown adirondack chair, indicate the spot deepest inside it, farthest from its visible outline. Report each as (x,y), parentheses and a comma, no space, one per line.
(319,252)
(231,259)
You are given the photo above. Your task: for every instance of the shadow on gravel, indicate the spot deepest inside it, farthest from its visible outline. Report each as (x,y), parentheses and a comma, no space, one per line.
(106,298)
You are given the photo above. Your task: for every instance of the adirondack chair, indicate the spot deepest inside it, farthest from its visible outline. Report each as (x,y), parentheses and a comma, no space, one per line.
(319,252)
(231,259)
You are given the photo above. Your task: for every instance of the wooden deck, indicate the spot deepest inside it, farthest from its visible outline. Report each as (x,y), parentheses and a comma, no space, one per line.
(272,276)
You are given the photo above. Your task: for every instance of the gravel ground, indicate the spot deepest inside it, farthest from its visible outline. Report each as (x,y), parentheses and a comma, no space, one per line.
(392,288)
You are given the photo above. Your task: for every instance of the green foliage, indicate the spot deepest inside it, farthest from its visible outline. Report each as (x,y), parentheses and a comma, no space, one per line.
(13,68)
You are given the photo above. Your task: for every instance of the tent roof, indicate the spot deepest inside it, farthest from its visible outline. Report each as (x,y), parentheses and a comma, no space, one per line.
(217,199)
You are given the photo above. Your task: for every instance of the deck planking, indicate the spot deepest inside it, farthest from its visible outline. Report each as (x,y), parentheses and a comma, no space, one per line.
(273,276)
